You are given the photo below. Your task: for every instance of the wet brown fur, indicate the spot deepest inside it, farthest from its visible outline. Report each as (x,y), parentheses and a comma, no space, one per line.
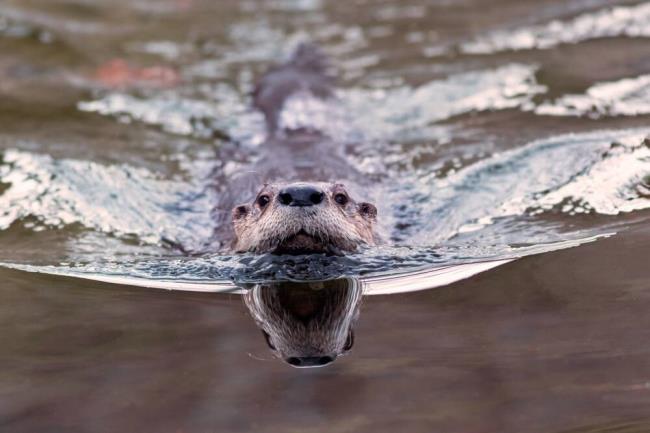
(296,155)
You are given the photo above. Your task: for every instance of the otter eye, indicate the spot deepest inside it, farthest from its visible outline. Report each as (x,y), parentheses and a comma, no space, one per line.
(263,200)
(341,199)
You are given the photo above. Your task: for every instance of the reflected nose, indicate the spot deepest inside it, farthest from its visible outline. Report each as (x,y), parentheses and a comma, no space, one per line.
(310,361)
(301,195)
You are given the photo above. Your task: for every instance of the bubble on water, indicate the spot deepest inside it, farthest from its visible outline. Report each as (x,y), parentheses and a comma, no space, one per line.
(630,21)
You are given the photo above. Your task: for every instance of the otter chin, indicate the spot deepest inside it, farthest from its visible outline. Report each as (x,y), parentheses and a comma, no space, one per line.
(302,241)
(303,218)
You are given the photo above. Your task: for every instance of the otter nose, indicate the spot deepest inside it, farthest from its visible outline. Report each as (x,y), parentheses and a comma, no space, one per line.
(301,195)
(310,361)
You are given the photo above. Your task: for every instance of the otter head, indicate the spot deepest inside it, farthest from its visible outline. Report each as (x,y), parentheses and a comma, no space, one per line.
(302,218)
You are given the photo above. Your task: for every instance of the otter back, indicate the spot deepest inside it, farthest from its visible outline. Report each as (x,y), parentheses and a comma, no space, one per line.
(297,94)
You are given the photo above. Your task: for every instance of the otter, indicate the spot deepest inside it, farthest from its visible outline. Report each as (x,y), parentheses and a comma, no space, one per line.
(301,208)
(306,324)
(303,217)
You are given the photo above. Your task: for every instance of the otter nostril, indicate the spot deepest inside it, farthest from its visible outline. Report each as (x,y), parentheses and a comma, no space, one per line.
(316,197)
(285,198)
(294,361)
(325,360)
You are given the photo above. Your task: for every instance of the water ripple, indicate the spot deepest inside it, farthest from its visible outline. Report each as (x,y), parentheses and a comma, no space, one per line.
(630,21)
(119,200)
(626,97)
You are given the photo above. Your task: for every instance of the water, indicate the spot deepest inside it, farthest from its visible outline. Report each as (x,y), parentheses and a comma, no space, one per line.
(506,143)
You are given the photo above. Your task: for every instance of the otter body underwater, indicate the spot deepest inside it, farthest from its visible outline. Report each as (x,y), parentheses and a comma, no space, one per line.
(301,207)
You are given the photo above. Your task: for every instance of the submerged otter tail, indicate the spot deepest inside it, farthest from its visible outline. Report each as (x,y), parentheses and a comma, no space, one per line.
(310,58)
(306,72)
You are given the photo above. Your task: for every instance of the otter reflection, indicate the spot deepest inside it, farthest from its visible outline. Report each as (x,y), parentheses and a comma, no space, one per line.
(306,324)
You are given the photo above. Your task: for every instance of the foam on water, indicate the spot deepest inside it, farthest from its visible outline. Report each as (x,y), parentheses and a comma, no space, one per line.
(600,172)
(626,97)
(613,185)
(173,114)
(376,114)
(182,115)
(630,21)
(386,113)
(119,200)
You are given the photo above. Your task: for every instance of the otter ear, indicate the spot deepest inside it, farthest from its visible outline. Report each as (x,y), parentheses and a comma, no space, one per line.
(267,337)
(240,211)
(367,210)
